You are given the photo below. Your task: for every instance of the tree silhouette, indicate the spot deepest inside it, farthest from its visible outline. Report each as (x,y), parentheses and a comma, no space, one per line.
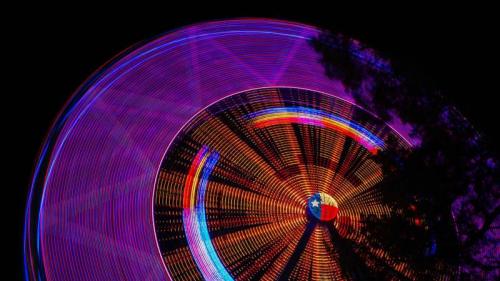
(444,192)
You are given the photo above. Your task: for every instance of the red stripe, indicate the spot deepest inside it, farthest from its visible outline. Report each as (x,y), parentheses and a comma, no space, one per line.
(328,212)
(190,178)
(300,120)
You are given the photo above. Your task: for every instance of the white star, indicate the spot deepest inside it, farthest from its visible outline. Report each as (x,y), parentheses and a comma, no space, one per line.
(315,203)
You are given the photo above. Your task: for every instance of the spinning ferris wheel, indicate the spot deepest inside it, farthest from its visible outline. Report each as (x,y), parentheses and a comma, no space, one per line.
(220,151)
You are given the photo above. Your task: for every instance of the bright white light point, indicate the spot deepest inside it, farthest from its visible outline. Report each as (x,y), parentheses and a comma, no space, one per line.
(315,203)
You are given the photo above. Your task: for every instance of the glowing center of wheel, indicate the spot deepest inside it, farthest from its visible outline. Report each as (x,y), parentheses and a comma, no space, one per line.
(322,206)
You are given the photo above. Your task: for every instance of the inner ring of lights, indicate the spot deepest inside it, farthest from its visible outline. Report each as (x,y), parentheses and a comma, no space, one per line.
(249,165)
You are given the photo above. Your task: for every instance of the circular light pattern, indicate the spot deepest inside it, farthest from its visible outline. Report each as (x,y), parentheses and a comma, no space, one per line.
(243,186)
(322,206)
(98,209)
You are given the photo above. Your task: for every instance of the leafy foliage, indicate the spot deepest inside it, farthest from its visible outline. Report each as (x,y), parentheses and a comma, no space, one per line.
(445,191)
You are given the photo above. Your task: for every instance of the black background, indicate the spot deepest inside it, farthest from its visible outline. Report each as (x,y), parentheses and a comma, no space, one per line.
(53,50)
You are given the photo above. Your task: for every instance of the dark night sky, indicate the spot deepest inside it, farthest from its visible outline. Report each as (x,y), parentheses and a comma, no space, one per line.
(56,50)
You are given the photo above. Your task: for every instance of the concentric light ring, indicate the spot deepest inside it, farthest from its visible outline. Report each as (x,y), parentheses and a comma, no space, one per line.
(90,208)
